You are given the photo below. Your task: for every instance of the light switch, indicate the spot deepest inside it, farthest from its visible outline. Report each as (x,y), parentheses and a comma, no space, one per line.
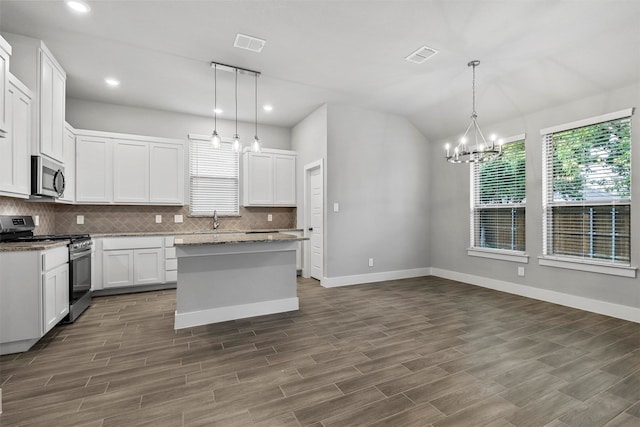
(79,219)
(177,219)
(336,207)
(36,220)
(158,219)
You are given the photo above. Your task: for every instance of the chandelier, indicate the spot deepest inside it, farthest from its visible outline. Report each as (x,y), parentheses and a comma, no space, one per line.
(215,137)
(474,148)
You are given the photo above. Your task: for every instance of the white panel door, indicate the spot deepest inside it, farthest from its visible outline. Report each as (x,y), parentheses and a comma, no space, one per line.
(94,177)
(57,115)
(316,219)
(45,137)
(117,268)
(166,173)
(149,266)
(130,171)
(284,192)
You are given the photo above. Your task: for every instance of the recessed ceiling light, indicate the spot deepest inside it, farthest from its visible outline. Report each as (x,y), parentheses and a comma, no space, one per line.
(267,107)
(112,82)
(78,6)
(218,111)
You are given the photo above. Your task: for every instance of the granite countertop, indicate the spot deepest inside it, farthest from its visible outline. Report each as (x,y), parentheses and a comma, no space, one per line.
(32,246)
(227,238)
(189,233)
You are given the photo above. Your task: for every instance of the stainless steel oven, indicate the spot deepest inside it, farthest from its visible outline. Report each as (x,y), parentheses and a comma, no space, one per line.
(79,276)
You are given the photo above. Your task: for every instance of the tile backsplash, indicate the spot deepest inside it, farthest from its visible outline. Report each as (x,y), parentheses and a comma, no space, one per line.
(62,219)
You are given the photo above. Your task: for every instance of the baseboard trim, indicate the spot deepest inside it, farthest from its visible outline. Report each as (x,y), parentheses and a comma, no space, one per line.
(601,307)
(357,279)
(242,311)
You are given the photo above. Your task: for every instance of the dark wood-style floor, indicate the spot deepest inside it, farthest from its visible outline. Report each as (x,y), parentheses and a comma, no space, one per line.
(413,352)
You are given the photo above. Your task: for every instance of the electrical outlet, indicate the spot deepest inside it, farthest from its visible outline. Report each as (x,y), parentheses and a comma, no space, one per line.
(36,220)
(521,271)
(370,262)
(158,219)
(269,217)
(79,219)
(336,207)
(177,219)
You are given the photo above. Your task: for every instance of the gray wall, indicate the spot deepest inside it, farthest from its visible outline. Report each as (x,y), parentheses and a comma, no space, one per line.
(309,140)
(450,208)
(377,170)
(91,115)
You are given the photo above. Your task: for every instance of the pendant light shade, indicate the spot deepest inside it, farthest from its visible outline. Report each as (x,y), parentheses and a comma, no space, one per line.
(237,146)
(215,138)
(256,147)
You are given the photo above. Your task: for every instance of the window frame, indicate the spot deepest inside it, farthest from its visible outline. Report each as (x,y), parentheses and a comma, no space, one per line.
(494,253)
(596,265)
(224,142)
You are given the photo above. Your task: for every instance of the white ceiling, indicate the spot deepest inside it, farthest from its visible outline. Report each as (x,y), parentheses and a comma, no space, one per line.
(534,54)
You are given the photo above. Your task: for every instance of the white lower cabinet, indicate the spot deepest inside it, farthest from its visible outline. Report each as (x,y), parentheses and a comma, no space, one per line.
(130,261)
(55,296)
(34,296)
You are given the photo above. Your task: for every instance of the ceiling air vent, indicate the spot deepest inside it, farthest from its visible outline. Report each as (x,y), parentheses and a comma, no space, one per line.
(421,54)
(253,44)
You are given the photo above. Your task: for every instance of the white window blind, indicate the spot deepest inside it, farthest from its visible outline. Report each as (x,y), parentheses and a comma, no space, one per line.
(498,199)
(214,183)
(587,189)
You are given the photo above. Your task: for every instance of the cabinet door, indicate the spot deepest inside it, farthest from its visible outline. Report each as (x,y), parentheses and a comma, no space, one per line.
(94,178)
(69,166)
(117,268)
(149,266)
(258,175)
(166,174)
(130,171)
(4,83)
(51,109)
(55,296)
(14,149)
(284,177)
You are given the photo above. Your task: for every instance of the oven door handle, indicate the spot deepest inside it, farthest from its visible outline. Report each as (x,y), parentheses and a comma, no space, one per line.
(75,256)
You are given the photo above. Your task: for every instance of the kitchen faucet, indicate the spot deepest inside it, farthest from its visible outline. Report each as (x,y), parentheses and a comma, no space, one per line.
(216,224)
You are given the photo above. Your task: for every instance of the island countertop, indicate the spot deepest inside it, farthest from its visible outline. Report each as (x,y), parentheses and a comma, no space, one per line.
(233,238)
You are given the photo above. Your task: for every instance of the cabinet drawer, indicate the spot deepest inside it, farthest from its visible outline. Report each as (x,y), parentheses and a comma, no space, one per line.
(118,243)
(170,253)
(52,258)
(171,276)
(171,264)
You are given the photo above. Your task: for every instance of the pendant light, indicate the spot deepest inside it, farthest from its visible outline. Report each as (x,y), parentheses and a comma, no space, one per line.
(256,146)
(237,147)
(480,150)
(215,138)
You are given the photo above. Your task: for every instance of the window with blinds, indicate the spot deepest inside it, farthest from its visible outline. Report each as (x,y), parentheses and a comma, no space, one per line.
(214,182)
(498,199)
(587,189)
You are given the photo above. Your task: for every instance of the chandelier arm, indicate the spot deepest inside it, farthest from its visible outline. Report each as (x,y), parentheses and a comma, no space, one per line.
(477,126)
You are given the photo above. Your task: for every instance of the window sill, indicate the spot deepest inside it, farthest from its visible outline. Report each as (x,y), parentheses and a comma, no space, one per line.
(590,266)
(503,255)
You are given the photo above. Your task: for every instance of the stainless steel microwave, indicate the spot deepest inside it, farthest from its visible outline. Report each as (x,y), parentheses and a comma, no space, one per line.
(47,178)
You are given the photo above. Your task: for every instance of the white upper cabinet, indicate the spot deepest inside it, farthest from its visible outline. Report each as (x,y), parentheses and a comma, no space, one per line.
(166,164)
(269,178)
(15,147)
(130,171)
(37,68)
(116,168)
(5,55)
(69,195)
(94,175)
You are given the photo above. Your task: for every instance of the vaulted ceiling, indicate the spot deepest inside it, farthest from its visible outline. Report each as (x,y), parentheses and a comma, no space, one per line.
(534,54)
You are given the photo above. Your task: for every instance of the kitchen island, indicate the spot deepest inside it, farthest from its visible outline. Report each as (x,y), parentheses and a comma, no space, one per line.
(225,277)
